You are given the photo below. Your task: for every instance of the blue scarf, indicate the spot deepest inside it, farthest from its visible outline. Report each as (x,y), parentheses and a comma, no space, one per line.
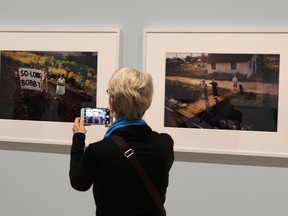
(122,122)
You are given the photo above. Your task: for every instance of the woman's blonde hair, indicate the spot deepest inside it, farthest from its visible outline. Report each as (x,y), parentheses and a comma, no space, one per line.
(131,92)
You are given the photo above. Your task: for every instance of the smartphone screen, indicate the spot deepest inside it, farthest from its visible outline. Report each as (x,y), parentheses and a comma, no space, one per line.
(95,116)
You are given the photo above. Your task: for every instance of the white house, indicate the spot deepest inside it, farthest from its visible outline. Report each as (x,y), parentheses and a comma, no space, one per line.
(232,63)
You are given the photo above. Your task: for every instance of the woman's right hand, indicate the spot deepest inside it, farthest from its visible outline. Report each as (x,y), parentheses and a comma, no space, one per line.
(78,126)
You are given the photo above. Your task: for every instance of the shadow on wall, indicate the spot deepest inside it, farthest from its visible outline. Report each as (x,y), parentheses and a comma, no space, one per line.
(179,156)
(231,159)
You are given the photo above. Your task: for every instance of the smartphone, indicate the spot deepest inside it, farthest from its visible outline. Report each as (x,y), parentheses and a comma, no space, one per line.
(95,116)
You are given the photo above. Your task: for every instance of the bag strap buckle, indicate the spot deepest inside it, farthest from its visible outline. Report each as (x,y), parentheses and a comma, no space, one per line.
(128,153)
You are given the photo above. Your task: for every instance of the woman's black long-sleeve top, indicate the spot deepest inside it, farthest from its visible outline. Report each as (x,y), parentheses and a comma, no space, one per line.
(117,189)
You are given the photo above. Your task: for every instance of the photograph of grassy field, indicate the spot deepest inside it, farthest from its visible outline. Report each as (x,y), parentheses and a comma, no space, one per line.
(36,97)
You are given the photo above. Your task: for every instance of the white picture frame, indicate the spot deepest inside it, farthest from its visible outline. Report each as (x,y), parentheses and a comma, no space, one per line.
(106,42)
(158,42)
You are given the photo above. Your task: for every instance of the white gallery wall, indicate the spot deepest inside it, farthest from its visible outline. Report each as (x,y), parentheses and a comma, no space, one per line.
(36,183)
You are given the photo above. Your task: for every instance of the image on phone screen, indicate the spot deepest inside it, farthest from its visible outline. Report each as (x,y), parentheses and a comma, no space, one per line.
(95,116)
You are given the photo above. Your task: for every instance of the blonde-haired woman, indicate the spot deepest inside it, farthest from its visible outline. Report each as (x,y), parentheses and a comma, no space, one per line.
(117,189)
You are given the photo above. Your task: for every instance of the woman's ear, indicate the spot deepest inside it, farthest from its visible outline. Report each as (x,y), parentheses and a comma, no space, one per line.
(112,108)
(112,111)
(111,104)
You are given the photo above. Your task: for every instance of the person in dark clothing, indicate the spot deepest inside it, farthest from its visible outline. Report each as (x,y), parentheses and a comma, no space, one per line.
(214,88)
(117,189)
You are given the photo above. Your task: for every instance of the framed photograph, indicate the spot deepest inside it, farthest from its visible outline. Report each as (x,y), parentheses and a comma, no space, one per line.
(47,76)
(220,92)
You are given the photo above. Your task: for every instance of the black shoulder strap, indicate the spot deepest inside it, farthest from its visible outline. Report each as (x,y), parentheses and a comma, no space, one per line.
(149,185)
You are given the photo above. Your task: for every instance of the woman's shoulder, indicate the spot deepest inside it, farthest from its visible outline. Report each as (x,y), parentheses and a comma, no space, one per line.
(164,137)
(102,145)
